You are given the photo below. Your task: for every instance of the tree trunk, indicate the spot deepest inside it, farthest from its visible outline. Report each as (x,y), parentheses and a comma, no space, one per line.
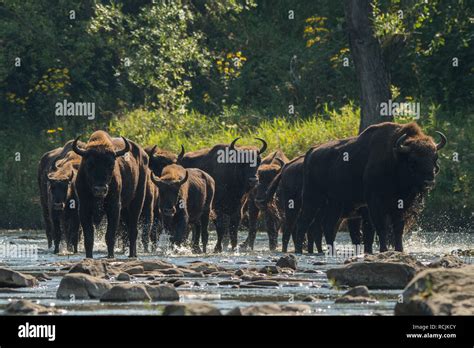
(372,75)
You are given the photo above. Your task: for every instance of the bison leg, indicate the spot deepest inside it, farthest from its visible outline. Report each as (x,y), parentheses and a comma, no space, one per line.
(222,227)
(234,228)
(353,224)
(73,230)
(252,219)
(398,228)
(270,222)
(88,230)
(154,233)
(367,231)
(204,230)
(48,225)
(196,237)
(379,219)
(113,220)
(308,211)
(317,232)
(289,227)
(56,231)
(331,223)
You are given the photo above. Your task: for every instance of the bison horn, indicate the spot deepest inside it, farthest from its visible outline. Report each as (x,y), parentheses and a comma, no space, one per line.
(77,149)
(152,152)
(181,154)
(399,144)
(156,180)
(232,144)
(443,141)
(280,162)
(264,147)
(124,150)
(185,179)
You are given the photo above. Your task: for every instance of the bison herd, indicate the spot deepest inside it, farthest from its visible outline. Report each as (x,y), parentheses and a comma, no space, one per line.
(375,182)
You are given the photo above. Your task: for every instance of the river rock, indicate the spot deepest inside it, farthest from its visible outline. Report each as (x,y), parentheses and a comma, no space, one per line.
(287,261)
(172,271)
(439,292)
(95,268)
(134,270)
(191,309)
(204,267)
(27,307)
(150,265)
(447,261)
(271,309)
(124,277)
(264,283)
(162,293)
(125,293)
(358,294)
(270,270)
(82,286)
(13,279)
(388,270)
(374,275)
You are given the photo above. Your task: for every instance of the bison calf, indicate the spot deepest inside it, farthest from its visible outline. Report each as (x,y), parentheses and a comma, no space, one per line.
(268,169)
(185,197)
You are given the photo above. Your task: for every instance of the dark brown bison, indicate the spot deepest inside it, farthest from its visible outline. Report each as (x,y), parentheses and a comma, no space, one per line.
(388,168)
(160,158)
(287,187)
(111,180)
(268,169)
(56,176)
(234,170)
(185,198)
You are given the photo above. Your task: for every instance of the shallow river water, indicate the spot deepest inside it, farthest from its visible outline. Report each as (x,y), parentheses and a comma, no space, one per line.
(426,246)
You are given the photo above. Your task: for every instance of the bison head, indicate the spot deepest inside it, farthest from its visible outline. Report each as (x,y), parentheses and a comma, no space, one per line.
(417,159)
(266,173)
(249,170)
(98,161)
(169,187)
(159,159)
(59,186)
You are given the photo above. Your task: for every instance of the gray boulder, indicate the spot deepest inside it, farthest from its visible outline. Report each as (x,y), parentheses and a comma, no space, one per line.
(162,292)
(359,294)
(271,309)
(126,293)
(22,307)
(287,261)
(82,286)
(13,279)
(191,309)
(95,268)
(439,292)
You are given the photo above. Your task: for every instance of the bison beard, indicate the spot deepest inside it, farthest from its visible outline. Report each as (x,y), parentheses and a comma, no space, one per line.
(106,178)
(387,168)
(232,181)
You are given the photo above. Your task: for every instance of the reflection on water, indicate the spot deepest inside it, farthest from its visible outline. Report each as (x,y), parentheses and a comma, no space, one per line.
(27,251)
